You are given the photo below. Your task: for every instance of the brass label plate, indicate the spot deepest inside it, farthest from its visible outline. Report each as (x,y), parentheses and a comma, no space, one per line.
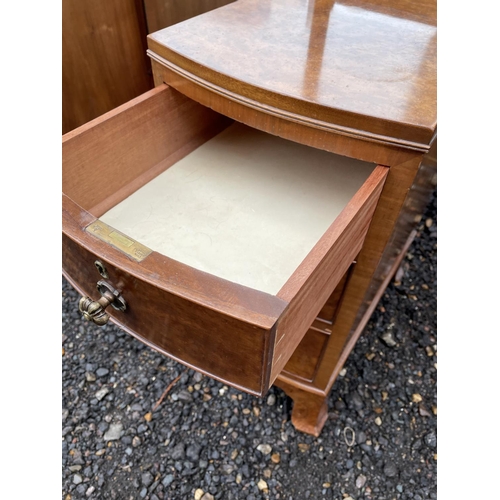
(118,240)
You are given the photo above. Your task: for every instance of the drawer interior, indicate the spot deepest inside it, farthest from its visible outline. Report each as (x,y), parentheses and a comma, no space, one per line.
(244,206)
(225,241)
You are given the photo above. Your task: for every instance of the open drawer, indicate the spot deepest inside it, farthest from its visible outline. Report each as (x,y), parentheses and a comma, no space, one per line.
(222,242)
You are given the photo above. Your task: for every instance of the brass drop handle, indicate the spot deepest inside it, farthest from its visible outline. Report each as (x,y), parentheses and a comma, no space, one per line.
(95,311)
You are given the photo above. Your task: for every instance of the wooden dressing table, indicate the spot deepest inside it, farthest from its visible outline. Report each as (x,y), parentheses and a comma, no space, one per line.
(245,216)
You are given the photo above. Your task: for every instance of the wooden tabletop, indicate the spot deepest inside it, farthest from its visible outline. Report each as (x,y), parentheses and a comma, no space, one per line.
(366,67)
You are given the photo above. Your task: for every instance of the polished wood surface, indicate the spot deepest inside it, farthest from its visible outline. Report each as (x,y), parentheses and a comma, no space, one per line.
(103,57)
(355,78)
(313,64)
(222,329)
(170,301)
(322,270)
(226,103)
(107,159)
(163,13)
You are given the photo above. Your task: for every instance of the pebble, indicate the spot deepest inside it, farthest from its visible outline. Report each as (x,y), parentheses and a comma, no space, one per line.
(431,440)
(102,372)
(90,377)
(167,480)
(360,481)
(416,398)
(77,479)
(193,452)
(178,452)
(388,339)
(265,449)
(198,494)
(147,479)
(99,395)
(114,432)
(390,469)
(185,396)
(136,441)
(262,485)
(378,421)
(271,399)
(355,401)
(207,496)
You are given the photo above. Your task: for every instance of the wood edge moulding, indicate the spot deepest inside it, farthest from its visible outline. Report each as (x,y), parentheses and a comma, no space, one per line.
(268,109)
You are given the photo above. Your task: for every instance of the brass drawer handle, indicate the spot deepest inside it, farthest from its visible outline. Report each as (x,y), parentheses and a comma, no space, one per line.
(95,311)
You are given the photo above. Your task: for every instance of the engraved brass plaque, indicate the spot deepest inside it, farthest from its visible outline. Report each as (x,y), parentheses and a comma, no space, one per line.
(118,240)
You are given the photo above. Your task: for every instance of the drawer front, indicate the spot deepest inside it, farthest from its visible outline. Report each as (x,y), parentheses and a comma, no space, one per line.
(205,336)
(233,332)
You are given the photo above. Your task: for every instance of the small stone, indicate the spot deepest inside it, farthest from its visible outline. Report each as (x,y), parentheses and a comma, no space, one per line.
(399,487)
(423,411)
(388,339)
(178,452)
(185,396)
(360,437)
(429,351)
(354,401)
(428,223)
(431,440)
(227,468)
(90,490)
(275,458)
(198,494)
(385,395)
(416,398)
(265,449)
(77,479)
(262,485)
(193,452)
(102,372)
(147,479)
(343,372)
(370,356)
(148,416)
(267,473)
(360,481)
(101,393)
(434,409)
(90,377)
(167,480)
(256,411)
(100,452)
(136,441)
(271,399)
(378,421)
(390,469)
(114,432)
(303,447)
(326,485)
(207,496)
(239,478)
(339,405)
(75,468)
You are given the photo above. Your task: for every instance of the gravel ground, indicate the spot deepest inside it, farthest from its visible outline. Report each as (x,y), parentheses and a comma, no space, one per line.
(206,440)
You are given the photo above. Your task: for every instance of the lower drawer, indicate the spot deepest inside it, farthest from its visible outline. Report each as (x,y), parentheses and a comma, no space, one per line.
(223,242)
